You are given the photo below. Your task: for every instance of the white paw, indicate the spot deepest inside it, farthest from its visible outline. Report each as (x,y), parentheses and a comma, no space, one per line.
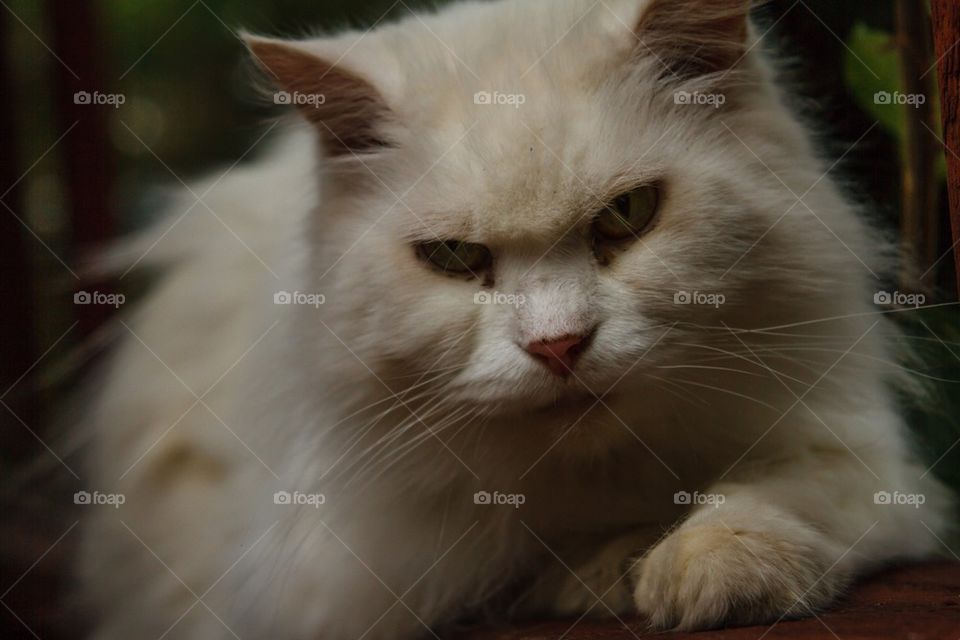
(707,575)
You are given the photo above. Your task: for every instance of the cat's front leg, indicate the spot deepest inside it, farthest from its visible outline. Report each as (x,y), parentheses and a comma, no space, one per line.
(713,569)
(747,564)
(784,543)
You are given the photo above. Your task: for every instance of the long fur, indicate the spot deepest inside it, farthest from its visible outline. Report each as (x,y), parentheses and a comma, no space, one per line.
(399,399)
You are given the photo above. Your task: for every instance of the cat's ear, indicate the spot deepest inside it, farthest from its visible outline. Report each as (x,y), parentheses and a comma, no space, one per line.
(694,38)
(345,106)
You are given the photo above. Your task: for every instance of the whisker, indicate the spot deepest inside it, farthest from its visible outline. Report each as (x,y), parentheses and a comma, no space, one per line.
(708,368)
(732,393)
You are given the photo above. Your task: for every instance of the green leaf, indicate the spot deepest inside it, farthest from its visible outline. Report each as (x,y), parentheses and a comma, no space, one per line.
(872,67)
(873,71)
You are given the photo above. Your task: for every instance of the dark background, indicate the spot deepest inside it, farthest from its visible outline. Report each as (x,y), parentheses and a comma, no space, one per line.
(73,176)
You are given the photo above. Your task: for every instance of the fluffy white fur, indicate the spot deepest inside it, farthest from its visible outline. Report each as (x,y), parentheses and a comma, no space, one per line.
(399,398)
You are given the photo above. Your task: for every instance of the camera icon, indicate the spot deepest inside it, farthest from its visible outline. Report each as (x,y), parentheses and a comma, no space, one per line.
(482,97)
(282,97)
(682,297)
(482,297)
(82,297)
(883,97)
(82,497)
(282,497)
(682,497)
(682,97)
(482,497)
(283,297)
(82,97)
(882,497)
(883,297)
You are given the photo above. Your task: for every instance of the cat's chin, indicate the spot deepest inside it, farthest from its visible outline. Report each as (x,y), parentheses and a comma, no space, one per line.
(573,402)
(568,405)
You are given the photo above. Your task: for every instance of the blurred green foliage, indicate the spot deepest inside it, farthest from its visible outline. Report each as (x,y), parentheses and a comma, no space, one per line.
(188,75)
(876,51)
(936,419)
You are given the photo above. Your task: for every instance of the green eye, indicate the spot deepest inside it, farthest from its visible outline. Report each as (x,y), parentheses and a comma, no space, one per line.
(454,256)
(628,215)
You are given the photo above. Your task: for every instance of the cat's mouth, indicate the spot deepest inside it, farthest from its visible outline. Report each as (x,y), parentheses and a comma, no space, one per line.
(571,404)
(572,399)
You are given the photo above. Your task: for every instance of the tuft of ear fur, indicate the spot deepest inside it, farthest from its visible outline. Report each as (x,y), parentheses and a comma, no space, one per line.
(346,108)
(695,37)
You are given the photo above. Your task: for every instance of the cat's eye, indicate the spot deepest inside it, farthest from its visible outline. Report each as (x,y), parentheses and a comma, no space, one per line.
(629,215)
(454,256)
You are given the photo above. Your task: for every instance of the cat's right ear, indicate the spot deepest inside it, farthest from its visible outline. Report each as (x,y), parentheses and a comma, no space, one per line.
(693,38)
(347,109)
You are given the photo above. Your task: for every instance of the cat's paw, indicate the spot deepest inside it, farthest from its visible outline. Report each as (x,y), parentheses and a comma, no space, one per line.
(710,574)
(598,586)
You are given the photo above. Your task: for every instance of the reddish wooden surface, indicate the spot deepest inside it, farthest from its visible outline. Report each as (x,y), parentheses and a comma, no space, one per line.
(946,26)
(921,602)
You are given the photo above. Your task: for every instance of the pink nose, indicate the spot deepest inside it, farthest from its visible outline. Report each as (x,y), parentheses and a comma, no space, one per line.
(559,354)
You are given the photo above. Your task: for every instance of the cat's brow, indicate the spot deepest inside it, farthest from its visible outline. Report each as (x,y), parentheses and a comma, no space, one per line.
(536,218)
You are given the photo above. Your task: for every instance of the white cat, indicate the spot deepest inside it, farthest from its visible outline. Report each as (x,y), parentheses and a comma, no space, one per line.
(544,308)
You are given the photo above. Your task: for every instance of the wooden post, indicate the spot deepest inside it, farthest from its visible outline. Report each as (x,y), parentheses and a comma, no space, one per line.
(946,24)
(16,285)
(919,218)
(88,155)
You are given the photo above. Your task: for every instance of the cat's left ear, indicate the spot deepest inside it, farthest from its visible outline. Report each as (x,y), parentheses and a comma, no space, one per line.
(694,38)
(343,102)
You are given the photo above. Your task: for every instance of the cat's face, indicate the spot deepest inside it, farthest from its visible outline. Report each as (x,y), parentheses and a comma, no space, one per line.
(547,206)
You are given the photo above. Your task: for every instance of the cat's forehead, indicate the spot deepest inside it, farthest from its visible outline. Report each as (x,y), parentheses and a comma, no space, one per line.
(497,47)
(537,165)
(515,39)
(496,177)
(510,122)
